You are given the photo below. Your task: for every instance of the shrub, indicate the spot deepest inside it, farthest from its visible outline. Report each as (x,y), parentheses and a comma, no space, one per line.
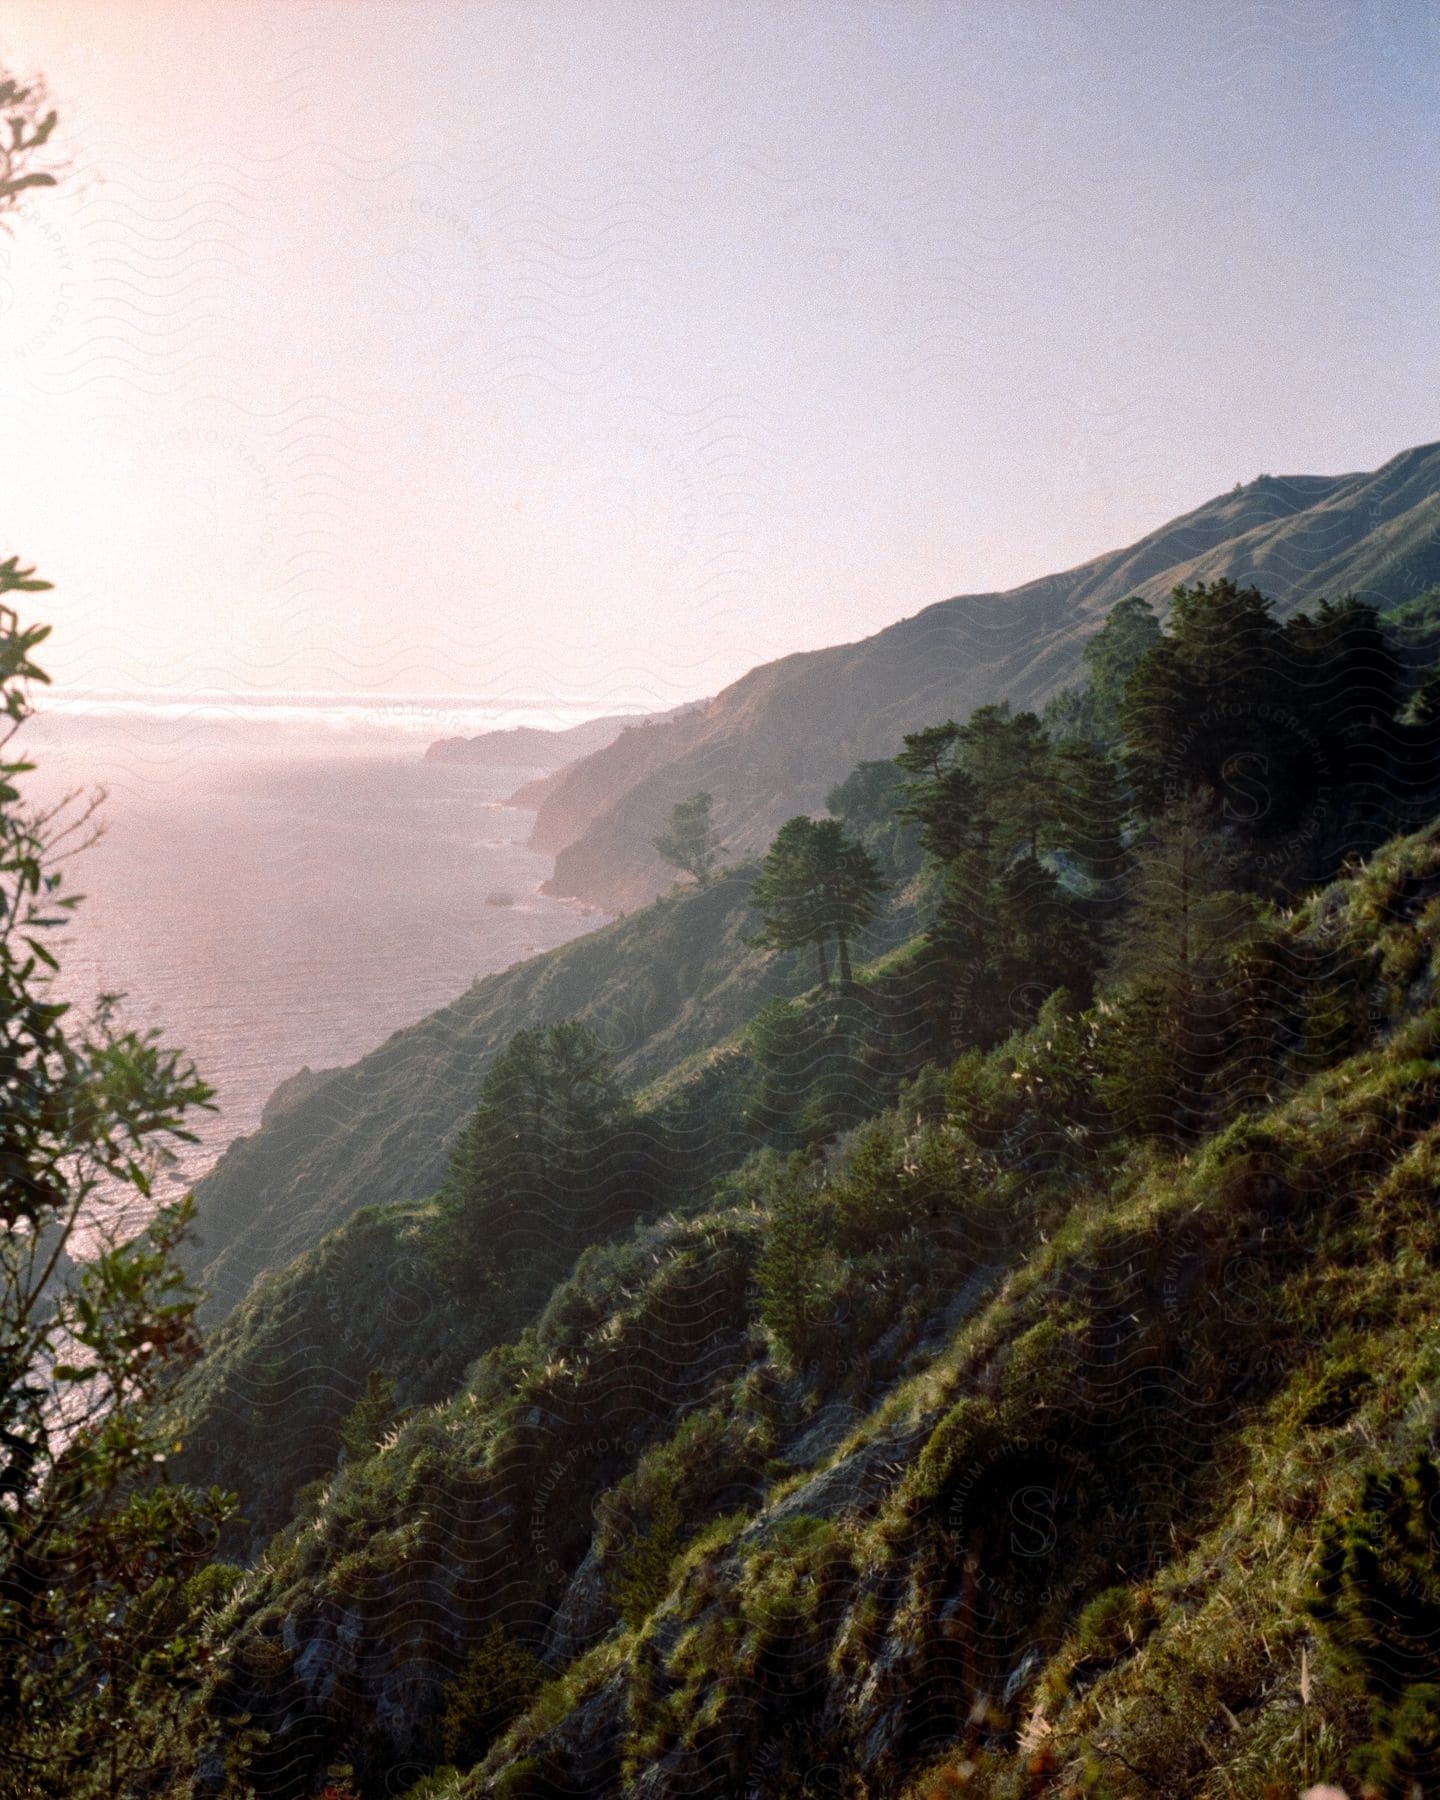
(371,1417)
(1112,1625)
(1378,1599)
(793,1305)
(498,1680)
(642,1576)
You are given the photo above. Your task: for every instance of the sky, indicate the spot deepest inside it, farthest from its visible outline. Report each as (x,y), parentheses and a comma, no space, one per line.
(589,352)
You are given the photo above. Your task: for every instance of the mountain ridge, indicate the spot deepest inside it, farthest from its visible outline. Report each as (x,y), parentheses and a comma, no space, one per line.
(543,747)
(773,743)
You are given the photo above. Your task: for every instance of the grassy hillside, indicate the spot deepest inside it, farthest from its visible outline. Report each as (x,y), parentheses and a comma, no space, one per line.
(993,1454)
(776,741)
(1008,1372)
(659,986)
(1082,1549)
(262,1415)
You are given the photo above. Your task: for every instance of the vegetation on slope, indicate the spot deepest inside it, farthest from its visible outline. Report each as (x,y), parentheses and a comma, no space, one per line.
(654,987)
(774,1488)
(979,1308)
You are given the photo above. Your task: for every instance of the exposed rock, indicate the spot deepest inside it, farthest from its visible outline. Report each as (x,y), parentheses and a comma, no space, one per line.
(941,1326)
(583,1617)
(824,1436)
(1024,1672)
(854,1485)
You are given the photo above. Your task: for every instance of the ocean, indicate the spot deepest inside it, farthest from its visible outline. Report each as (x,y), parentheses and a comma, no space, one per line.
(284,883)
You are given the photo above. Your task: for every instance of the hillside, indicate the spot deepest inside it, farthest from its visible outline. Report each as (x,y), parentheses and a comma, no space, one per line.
(657,987)
(1019,1491)
(380,1130)
(567,798)
(1068,1543)
(774,742)
(530,746)
(262,1414)
(1001,1361)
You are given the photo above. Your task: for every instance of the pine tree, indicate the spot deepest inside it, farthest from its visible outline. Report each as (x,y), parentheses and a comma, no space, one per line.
(816,885)
(1184,914)
(1169,1022)
(1090,813)
(1029,814)
(553,1151)
(784,895)
(949,813)
(692,844)
(996,761)
(372,1416)
(1130,630)
(870,804)
(928,753)
(1214,692)
(1347,675)
(983,746)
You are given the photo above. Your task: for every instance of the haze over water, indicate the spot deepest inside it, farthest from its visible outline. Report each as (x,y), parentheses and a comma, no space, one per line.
(283,886)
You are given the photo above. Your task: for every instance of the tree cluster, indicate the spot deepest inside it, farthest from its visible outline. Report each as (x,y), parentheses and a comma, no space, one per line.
(554,1157)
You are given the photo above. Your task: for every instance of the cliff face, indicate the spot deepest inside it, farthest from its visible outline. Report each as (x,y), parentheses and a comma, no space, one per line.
(775,742)
(569,799)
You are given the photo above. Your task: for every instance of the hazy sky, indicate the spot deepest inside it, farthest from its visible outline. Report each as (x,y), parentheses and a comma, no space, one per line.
(597,351)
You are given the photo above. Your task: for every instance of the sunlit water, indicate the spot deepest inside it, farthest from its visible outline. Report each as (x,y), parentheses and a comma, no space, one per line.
(277,887)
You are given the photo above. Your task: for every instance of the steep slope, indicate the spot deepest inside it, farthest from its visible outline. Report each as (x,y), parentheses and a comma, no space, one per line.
(656,987)
(569,797)
(774,742)
(771,745)
(1075,1552)
(1017,1492)
(972,1316)
(261,1415)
